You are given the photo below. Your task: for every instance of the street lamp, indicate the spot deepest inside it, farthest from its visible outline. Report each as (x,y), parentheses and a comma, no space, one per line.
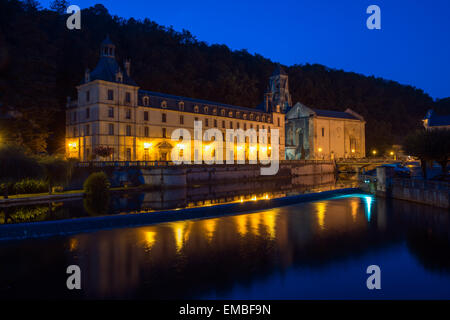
(374,152)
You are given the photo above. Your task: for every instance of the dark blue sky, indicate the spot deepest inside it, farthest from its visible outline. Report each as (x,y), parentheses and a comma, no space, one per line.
(413,46)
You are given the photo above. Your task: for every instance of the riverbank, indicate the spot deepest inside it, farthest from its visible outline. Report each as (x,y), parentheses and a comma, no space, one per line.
(90,224)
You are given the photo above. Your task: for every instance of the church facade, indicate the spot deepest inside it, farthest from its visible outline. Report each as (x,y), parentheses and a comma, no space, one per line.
(111,112)
(318,134)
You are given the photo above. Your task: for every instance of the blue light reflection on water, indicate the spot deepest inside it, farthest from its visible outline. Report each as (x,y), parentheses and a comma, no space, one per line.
(314,250)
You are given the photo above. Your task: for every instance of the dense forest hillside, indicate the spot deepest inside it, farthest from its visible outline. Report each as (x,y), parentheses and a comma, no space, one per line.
(41,62)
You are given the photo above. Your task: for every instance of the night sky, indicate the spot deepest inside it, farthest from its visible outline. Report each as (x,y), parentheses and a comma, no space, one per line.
(412,47)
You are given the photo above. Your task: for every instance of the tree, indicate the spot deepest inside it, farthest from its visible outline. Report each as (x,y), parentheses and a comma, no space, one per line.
(56,170)
(430,145)
(59,6)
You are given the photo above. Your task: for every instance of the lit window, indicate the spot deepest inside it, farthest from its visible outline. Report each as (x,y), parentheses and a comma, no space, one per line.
(164,104)
(196,109)
(181,105)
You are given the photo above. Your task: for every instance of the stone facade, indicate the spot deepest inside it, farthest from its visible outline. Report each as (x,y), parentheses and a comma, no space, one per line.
(112,112)
(322,134)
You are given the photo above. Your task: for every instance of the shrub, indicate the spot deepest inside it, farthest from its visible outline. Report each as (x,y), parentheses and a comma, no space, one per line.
(30,186)
(97,185)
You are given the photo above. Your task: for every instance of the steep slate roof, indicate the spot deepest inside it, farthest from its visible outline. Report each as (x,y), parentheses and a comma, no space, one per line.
(106,70)
(191,102)
(334,114)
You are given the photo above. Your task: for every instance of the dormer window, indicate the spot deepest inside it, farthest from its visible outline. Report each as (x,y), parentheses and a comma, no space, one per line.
(205,109)
(251,117)
(110,94)
(222,112)
(215,111)
(278,108)
(164,104)
(244,116)
(268,119)
(196,109)
(257,118)
(146,101)
(263,118)
(230,114)
(181,106)
(119,76)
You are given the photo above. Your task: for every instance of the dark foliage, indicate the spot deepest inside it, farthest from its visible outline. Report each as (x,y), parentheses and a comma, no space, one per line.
(41,62)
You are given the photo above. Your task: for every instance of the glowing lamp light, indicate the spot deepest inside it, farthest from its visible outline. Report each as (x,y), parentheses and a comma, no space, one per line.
(270,148)
(180,146)
(73,145)
(353,150)
(252,148)
(320,149)
(374,152)
(147,145)
(254,198)
(239,148)
(391,153)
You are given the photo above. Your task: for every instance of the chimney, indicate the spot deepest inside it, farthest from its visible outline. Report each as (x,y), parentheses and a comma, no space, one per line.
(127,63)
(87,75)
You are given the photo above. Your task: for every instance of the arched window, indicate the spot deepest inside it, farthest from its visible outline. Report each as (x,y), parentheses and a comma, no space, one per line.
(244,116)
(251,116)
(222,112)
(146,101)
(215,111)
(238,114)
(181,106)
(257,118)
(164,104)
(205,109)
(230,114)
(196,109)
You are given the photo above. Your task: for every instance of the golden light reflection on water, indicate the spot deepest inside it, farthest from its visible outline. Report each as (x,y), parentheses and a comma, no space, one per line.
(150,238)
(209,228)
(163,245)
(73,244)
(320,212)
(354,204)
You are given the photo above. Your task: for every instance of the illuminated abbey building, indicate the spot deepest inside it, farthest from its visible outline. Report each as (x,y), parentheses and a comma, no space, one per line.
(112,112)
(112,119)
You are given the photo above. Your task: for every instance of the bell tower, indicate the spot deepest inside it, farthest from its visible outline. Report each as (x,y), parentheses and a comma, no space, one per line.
(278,91)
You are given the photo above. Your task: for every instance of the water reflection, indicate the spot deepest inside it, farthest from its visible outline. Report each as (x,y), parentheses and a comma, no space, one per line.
(313,247)
(201,195)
